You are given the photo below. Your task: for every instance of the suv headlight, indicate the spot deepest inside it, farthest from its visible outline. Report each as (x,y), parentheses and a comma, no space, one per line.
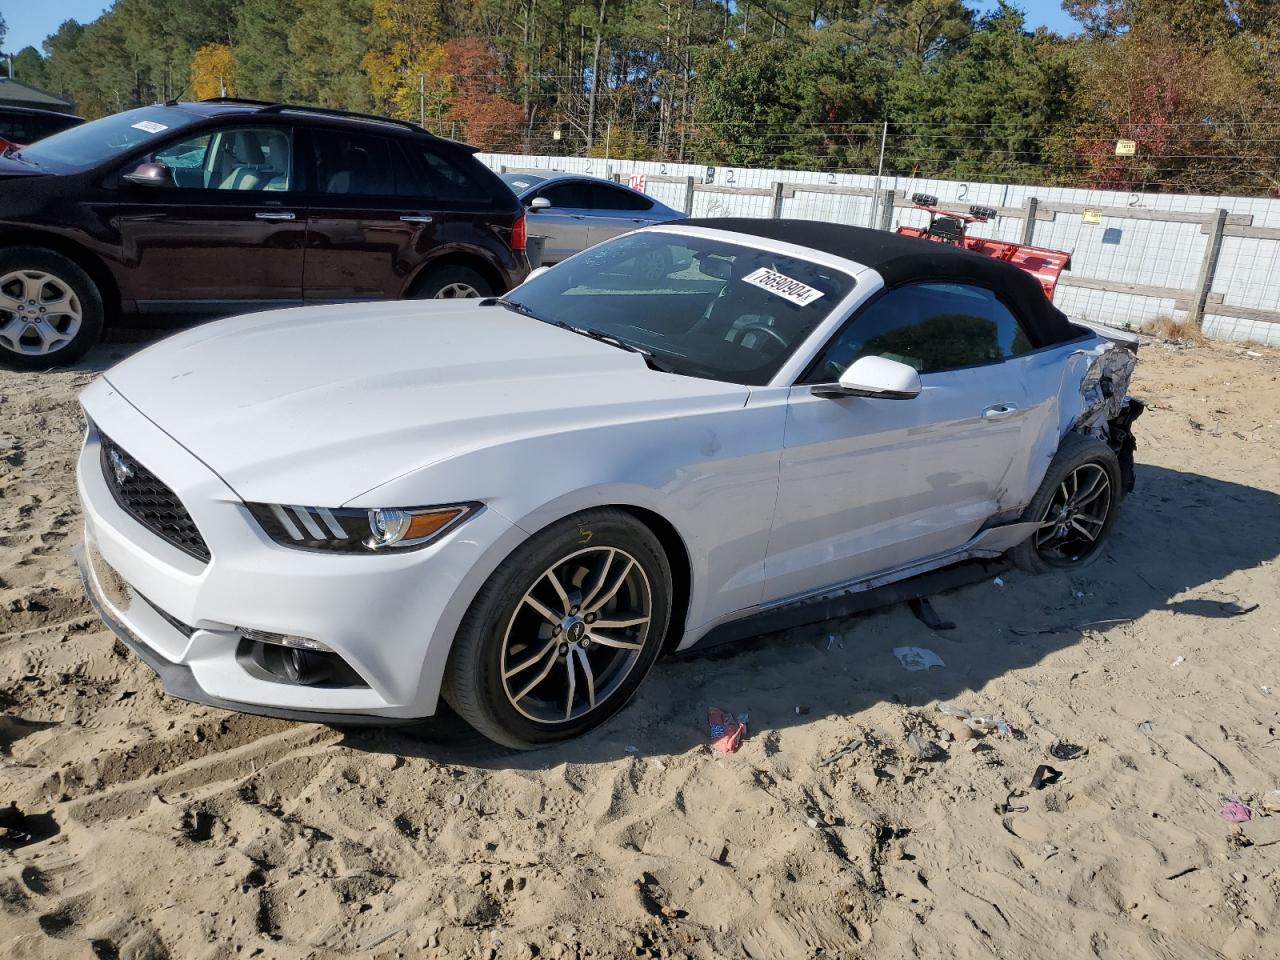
(348,530)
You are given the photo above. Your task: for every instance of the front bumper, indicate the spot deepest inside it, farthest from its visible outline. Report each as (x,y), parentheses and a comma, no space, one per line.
(177,678)
(391,618)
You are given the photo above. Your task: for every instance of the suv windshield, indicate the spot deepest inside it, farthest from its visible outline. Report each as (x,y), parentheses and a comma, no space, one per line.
(702,307)
(87,145)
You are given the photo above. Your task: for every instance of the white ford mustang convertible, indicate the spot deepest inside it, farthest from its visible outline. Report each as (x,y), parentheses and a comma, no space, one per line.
(343,513)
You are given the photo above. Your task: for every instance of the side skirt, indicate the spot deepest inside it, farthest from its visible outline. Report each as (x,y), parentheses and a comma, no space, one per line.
(844,604)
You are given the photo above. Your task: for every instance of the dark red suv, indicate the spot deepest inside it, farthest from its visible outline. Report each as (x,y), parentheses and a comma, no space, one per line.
(224,206)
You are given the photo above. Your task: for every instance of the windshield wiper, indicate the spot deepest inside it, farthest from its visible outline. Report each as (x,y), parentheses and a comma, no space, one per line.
(599,335)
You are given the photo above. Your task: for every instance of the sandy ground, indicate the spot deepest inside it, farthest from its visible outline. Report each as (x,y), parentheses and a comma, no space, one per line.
(146,827)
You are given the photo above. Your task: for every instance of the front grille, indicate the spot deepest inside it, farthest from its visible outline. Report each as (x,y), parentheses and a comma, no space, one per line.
(141,495)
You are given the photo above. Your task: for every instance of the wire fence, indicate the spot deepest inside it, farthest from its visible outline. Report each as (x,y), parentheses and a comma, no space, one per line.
(1135,255)
(1243,159)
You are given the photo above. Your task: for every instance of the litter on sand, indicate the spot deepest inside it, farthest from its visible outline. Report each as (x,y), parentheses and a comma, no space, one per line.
(1233,811)
(1045,776)
(842,752)
(1061,750)
(1178,661)
(917,658)
(954,710)
(924,749)
(925,613)
(998,581)
(1145,726)
(986,723)
(726,729)
(1233,608)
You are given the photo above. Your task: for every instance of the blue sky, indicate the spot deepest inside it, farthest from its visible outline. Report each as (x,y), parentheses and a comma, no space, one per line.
(30,23)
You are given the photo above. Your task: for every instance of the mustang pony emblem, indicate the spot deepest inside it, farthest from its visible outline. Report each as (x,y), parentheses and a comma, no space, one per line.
(119,466)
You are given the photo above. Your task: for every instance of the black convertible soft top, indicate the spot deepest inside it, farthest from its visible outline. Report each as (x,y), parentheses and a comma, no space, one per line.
(899,259)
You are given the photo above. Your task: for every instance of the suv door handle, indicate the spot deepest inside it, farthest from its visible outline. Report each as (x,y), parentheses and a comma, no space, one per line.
(999,411)
(416,218)
(274,215)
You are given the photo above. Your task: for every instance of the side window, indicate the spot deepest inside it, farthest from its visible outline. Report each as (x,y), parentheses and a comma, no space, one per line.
(930,326)
(572,195)
(234,159)
(356,165)
(443,176)
(608,198)
(14,129)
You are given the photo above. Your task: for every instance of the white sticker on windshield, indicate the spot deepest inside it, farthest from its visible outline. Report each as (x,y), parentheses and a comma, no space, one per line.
(783,286)
(150,126)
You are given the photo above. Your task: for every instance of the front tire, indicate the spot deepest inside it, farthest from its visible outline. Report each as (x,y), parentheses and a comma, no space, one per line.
(50,309)
(563,633)
(1075,507)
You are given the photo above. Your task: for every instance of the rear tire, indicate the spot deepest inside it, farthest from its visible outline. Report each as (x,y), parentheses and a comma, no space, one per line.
(50,310)
(1076,506)
(451,283)
(563,632)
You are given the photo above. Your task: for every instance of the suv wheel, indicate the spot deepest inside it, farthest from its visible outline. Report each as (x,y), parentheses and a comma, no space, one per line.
(50,310)
(451,283)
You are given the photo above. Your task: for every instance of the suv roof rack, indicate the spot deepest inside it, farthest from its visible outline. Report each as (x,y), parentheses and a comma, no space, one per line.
(245,100)
(269,106)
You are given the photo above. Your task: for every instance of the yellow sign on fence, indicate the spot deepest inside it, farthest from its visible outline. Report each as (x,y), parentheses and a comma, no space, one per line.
(1092,216)
(1126,148)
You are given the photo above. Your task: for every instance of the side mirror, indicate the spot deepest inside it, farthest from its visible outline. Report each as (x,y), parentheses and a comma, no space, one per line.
(874,377)
(539,203)
(149,174)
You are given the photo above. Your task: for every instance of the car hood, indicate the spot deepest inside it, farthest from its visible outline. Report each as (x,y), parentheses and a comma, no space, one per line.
(10,168)
(318,405)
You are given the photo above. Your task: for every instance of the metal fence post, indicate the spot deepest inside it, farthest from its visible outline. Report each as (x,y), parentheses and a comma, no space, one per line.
(777,199)
(688,196)
(1029,224)
(1208,267)
(886,210)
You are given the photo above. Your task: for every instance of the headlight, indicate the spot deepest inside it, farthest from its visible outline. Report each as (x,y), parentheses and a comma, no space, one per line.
(347,530)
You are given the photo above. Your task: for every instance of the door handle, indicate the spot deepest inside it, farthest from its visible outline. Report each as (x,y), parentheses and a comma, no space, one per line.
(999,411)
(274,215)
(417,218)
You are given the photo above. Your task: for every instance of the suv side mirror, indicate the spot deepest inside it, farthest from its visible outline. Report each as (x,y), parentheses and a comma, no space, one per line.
(539,203)
(874,377)
(150,174)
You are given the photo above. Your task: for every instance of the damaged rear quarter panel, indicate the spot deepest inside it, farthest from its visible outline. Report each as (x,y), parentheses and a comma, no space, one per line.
(1085,384)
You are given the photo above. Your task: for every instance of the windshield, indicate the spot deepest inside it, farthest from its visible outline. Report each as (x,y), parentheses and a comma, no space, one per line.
(87,145)
(702,307)
(520,182)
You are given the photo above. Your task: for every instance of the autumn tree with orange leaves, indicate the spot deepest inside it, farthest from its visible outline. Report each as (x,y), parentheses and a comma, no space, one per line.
(1190,83)
(488,119)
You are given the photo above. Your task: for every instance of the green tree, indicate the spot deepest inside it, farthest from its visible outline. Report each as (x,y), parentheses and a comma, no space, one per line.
(991,109)
(263,68)
(327,43)
(29,67)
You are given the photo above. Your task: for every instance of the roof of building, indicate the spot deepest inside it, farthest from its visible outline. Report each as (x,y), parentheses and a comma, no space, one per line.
(900,259)
(14,93)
